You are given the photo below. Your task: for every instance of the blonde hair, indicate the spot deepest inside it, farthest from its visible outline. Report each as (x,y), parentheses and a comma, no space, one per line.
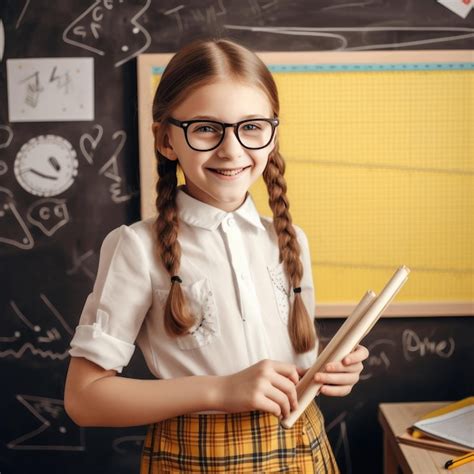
(200,63)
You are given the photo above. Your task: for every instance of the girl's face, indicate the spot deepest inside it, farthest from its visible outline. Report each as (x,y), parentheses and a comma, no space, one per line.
(224,101)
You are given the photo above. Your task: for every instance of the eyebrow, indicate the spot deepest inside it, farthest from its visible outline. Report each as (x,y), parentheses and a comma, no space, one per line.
(215,119)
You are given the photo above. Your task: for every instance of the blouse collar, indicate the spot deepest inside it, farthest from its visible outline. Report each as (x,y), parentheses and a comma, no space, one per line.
(197,213)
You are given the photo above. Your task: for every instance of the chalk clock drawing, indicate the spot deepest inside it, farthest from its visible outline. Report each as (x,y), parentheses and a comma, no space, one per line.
(46,165)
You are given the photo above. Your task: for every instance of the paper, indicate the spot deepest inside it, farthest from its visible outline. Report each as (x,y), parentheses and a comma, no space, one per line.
(460,7)
(50,89)
(456,426)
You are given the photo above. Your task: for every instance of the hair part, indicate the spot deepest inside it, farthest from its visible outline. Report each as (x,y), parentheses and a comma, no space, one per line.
(201,63)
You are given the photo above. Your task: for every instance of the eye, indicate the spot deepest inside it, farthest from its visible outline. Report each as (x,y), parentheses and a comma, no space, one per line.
(251,126)
(205,128)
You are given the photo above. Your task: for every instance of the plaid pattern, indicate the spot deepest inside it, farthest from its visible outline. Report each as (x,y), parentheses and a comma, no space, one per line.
(249,442)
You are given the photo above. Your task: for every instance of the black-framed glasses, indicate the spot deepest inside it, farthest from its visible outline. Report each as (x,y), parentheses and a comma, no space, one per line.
(206,135)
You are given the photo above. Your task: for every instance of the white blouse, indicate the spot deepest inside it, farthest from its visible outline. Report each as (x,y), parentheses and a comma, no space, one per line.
(231,278)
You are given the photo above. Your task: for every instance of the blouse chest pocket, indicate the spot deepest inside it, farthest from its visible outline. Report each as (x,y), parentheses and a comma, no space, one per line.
(281,290)
(200,299)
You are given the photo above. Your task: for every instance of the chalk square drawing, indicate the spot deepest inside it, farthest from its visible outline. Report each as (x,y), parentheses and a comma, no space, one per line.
(50,89)
(460,7)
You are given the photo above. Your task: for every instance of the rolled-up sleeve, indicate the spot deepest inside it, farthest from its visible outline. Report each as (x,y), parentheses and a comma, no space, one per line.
(122,295)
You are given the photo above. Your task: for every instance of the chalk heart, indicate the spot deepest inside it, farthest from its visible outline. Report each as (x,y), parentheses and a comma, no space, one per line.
(88,143)
(87,147)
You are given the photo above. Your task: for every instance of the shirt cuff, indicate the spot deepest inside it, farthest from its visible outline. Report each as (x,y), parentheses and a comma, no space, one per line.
(101,348)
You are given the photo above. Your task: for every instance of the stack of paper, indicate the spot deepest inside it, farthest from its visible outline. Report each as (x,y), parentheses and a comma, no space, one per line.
(448,429)
(354,329)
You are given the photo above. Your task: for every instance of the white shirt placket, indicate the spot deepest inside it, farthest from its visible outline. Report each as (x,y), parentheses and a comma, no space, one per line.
(255,333)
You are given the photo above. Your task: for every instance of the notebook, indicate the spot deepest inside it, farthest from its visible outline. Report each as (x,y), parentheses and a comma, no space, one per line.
(454,423)
(447,429)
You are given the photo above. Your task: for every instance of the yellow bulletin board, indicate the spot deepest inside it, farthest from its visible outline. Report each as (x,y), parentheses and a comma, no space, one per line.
(380,161)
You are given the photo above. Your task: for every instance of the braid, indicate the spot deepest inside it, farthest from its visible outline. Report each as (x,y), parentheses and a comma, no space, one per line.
(301,330)
(178,318)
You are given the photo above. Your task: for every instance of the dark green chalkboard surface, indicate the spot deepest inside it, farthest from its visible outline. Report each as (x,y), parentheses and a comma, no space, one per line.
(49,244)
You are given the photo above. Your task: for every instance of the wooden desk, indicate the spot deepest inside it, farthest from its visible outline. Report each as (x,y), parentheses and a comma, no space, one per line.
(395,418)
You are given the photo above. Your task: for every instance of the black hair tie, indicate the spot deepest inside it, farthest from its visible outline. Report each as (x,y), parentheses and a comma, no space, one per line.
(297,290)
(176,278)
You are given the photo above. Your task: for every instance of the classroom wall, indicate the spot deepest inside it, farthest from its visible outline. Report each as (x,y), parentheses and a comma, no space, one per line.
(49,243)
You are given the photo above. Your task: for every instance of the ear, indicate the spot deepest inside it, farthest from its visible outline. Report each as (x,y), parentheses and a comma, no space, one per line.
(162,142)
(272,143)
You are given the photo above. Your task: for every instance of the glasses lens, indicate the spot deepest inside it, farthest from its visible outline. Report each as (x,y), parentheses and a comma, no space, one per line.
(255,133)
(204,135)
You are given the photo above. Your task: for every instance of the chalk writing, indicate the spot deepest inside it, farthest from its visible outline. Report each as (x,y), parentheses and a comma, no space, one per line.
(57,431)
(13,231)
(378,360)
(86,31)
(45,342)
(5,141)
(110,170)
(341,42)
(204,17)
(48,215)
(340,424)
(79,264)
(27,2)
(415,346)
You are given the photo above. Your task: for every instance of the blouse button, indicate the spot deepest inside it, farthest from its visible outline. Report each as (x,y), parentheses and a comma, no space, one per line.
(231,221)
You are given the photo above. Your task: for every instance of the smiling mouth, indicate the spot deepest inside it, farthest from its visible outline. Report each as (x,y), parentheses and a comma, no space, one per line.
(228,172)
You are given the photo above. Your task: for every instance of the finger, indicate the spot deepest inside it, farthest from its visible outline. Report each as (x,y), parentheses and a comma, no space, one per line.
(337,379)
(340,367)
(288,370)
(336,390)
(287,387)
(268,405)
(359,354)
(280,398)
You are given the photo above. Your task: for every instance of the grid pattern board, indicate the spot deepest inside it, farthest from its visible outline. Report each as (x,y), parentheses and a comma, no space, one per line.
(380,173)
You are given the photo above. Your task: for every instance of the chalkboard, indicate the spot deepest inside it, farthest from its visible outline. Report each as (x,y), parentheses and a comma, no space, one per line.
(49,244)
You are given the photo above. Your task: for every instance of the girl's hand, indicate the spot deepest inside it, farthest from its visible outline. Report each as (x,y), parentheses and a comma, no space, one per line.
(338,378)
(268,385)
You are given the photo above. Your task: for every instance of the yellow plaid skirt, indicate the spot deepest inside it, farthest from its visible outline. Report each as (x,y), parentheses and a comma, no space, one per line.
(248,442)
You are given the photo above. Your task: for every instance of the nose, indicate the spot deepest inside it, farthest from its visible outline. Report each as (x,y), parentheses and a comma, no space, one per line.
(230,146)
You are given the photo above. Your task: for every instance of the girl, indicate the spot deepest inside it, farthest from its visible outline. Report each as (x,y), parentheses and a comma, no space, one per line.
(219,299)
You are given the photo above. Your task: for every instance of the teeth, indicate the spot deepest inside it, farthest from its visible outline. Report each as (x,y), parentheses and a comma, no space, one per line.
(229,172)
